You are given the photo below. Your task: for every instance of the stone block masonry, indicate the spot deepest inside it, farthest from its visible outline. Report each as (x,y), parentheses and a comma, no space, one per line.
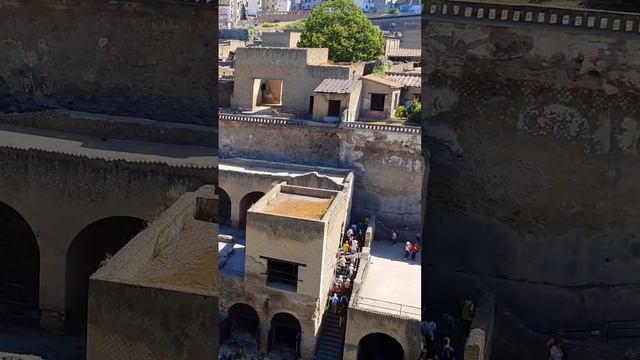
(387,161)
(532,131)
(148,59)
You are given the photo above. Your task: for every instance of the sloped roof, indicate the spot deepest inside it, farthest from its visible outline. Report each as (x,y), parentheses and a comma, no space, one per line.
(337,86)
(405,53)
(383,81)
(410,80)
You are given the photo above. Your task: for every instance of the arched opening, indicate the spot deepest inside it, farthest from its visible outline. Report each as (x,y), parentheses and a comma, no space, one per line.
(19,264)
(284,336)
(246,202)
(378,346)
(241,330)
(224,207)
(93,245)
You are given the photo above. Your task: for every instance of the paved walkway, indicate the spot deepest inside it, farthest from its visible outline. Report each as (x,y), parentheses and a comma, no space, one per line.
(109,149)
(392,283)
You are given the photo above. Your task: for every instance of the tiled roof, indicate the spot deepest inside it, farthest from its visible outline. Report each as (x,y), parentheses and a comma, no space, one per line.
(411,80)
(337,86)
(405,53)
(383,81)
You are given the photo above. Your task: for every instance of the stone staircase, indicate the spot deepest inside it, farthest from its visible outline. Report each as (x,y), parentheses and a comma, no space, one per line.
(331,342)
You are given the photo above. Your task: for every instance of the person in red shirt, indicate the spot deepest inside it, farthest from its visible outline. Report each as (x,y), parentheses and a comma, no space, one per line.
(414,251)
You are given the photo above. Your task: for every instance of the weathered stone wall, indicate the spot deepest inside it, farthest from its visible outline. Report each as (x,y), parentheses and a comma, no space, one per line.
(59,195)
(361,323)
(387,163)
(533,135)
(157,297)
(115,127)
(149,59)
(135,322)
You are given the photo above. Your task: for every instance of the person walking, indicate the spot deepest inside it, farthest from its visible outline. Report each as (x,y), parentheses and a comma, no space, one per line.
(447,352)
(407,249)
(342,262)
(414,251)
(394,237)
(350,270)
(334,303)
(467,310)
(429,335)
(345,247)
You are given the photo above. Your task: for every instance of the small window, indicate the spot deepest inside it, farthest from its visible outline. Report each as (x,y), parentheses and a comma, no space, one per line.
(334,108)
(282,275)
(377,102)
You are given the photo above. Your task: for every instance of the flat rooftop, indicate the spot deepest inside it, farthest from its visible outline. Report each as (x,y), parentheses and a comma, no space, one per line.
(108,149)
(301,206)
(392,283)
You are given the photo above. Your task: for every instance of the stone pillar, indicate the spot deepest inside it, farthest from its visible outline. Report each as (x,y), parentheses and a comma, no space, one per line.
(235,214)
(264,336)
(52,288)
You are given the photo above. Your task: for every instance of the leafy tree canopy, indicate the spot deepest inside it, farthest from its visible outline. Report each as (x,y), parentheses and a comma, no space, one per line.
(342,27)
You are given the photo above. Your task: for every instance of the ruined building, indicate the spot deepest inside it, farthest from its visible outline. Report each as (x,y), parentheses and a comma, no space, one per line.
(107,117)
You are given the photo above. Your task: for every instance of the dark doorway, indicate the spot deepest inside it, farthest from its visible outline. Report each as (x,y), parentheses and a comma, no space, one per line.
(224,207)
(378,346)
(243,319)
(246,202)
(93,245)
(285,334)
(19,265)
(310,104)
(334,108)
(377,102)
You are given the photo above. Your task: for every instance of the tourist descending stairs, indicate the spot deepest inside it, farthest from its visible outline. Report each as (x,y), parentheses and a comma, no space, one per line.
(332,331)
(331,342)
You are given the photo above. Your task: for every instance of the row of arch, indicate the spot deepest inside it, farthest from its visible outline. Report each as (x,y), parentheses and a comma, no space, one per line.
(20,261)
(224,206)
(285,331)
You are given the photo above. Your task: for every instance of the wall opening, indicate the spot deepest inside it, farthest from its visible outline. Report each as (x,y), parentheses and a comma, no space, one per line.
(270,92)
(19,264)
(282,275)
(284,336)
(224,207)
(241,328)
(93,245)
(334,108)
(377,102)
(378,346)
(246,202)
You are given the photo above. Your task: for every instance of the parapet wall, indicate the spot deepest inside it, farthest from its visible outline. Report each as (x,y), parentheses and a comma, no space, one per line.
(115,127)
(147,58)
(386,160)
(532,123)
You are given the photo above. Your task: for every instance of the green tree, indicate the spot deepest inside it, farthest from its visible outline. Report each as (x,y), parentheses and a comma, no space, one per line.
(342,27)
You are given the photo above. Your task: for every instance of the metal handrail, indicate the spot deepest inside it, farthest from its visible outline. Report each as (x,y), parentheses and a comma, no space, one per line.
(401,309)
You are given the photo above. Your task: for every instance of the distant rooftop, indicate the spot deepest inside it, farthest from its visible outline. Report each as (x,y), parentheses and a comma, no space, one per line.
(337,86)
(384,81)
(405,53)
(411,79)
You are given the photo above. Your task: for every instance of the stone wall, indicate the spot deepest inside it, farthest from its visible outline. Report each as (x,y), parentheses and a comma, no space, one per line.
(115,127)
(157,297)
(59,195)
(386,161)
(149,59)
(532,131)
